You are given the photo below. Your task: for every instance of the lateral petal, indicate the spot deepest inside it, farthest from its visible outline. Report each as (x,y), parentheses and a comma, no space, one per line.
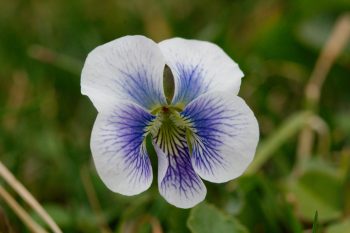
(119,151)
(225,135)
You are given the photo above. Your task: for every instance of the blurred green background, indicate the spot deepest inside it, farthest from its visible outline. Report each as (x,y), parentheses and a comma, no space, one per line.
(303,159)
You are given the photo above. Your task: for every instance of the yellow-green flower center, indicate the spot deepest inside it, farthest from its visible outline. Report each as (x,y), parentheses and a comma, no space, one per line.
(169,128)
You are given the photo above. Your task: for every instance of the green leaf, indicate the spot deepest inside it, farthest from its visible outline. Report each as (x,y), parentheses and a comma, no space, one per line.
(205,218)
(319,188)
(339,227)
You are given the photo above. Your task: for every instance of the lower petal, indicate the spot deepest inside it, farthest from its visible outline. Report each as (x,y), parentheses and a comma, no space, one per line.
(178,182)
(118,149)
(225,135)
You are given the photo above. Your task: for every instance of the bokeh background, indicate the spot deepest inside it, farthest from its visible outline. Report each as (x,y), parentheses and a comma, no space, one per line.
(296,60)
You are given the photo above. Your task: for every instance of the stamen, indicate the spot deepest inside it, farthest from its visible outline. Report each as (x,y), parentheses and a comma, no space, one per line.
(170,130)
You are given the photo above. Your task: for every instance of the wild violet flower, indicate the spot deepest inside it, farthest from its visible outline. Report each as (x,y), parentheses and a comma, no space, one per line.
(205,131)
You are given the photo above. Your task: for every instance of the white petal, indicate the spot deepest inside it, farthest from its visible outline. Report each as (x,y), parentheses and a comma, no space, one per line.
(199,67)
(128,68)
(177,181)
(226,133)
(118,150)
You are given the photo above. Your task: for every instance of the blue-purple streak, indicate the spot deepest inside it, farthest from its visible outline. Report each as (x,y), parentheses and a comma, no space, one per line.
(123,135)
(209,117)
(180,174)
(190,84)
(141,89)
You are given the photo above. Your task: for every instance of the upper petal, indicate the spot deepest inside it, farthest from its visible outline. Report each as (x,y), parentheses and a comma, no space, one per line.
(177,180)
(225,135)
(199,67)
(118,148)
(130,68)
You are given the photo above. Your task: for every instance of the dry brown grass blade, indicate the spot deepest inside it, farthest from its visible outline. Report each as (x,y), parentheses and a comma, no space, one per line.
(21,213)
(27,197)
(330,52)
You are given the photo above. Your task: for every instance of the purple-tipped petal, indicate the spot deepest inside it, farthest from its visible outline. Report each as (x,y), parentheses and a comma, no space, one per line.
(119,151)
(129,68)
(226,134)
(199,67)
(177,181)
